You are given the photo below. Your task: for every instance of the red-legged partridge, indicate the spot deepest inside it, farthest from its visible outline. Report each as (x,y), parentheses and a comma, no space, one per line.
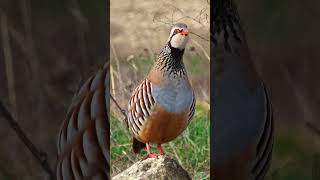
(163,104)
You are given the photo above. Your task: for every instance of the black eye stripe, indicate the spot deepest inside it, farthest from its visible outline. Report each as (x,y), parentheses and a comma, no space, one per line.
(176,31)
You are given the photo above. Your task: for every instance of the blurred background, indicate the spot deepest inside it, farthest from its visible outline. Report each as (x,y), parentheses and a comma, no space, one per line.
(284,40)
(139,30)
(47,50)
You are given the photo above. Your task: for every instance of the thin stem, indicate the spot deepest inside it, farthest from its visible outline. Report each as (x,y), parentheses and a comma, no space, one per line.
(39,155)
(199,36)
(116,103)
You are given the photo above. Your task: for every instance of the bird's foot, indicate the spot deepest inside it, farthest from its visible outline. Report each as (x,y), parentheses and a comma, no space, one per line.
(151,155)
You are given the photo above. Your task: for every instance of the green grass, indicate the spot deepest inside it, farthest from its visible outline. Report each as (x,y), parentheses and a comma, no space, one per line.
(291,160)
(191,148)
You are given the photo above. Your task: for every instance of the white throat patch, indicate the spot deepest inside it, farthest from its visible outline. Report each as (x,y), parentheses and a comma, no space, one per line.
(179,41)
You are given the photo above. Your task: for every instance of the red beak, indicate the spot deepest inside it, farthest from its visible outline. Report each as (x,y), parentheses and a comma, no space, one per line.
(185,32)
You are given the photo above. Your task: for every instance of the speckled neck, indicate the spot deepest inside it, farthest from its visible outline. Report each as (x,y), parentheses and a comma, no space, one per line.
(170,61)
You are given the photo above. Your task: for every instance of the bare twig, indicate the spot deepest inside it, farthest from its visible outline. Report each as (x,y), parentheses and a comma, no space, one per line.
(119,107)
(39,155)
(200,36)
(167,21)
(175,9)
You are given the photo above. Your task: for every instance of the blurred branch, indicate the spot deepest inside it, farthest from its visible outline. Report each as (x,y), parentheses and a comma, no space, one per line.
(40,156)
(8,61)
(313,128)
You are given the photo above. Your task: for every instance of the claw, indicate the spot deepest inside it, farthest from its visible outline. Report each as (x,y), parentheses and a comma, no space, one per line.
(150,154)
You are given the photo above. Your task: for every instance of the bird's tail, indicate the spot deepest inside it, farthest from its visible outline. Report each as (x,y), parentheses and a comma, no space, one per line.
(137,145)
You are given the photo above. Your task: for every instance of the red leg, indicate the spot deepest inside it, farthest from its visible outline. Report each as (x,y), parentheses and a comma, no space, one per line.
(159,147)
(150,153)
(161,151)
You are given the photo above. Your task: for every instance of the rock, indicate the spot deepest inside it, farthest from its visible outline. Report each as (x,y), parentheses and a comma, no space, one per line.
(163,168)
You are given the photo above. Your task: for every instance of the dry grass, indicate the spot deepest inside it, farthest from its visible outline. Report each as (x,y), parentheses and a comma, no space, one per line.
(137,25)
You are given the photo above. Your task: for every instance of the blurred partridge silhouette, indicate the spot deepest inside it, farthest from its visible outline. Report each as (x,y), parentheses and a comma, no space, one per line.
(242,127)
(83,142)
(163,104)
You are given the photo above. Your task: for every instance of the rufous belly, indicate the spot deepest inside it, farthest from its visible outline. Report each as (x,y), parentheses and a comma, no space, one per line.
(162,126)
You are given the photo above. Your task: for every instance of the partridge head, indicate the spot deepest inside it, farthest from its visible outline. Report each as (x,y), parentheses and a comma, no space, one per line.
(179,36)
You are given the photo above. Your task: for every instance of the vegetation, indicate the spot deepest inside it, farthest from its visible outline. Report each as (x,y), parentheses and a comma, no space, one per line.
(191,149)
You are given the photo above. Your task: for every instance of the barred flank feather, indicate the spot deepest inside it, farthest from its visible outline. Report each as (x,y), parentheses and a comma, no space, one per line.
(140,105)
(83,142)
(192,108)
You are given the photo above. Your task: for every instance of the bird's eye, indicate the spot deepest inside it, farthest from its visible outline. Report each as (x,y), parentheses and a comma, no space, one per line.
(178,30)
